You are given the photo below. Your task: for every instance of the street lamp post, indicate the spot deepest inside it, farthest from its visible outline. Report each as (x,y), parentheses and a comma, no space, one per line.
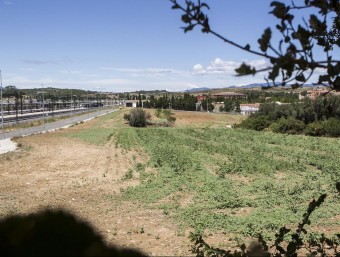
(87,104)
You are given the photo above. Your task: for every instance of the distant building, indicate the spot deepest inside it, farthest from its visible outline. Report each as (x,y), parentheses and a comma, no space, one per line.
(230,95)
(313,94)
(225,95)
(131,103)
(247,109)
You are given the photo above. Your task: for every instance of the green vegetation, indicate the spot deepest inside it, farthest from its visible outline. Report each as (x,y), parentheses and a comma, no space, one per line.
(239,182)
(165,114)
(176,102)
(137,117)
(98,134)
(242,182)
(320,117)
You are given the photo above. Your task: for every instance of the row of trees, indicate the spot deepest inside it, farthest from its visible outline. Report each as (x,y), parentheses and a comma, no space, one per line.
(185,102)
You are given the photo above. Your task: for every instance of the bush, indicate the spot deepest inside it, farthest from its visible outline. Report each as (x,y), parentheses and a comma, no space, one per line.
(169,116)
(127,116)
(255,122)
(289,126)
(158,113)
(332,127)
(315,129)
(138,117)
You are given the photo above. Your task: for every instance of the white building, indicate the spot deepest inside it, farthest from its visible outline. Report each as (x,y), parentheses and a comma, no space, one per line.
(247,109)
(131,103)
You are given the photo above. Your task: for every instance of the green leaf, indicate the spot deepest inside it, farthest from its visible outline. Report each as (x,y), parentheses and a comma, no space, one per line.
(245,69)
(314,22)
(274,73)
(186,18)
(300,78)
(188,28)
(303,35)
(206,27)
(279,10)
(175,6)
(264,41)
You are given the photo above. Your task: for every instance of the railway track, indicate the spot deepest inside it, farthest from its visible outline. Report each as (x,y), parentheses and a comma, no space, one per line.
(26,117)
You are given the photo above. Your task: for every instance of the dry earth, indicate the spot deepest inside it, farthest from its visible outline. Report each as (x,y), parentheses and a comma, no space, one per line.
(56,171)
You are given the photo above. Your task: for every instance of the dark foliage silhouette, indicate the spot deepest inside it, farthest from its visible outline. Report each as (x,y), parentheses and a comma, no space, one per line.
(54,233)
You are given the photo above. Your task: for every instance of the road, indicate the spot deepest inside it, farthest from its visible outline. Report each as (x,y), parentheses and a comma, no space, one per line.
(54,125)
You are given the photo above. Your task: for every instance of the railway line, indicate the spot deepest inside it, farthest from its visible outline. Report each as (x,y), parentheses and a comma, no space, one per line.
(12,119)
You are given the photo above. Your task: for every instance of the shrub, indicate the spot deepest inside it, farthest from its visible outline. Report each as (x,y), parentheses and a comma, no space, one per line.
(289,126)
(158,113)
(171,119)
(138,117)
(315,129)
(167,114)
(332,127)
(127,116)
(256,122)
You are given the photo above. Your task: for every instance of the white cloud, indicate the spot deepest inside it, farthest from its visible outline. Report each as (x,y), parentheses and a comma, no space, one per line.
(39,62)
(8,2)
(219,66)
(199,69)
(143,71)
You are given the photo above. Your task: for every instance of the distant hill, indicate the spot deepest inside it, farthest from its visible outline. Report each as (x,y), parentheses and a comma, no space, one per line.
(198,89)
(248,86)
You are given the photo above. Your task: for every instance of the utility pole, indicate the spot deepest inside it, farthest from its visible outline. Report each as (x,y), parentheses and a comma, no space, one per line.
(42,86)
(2,109)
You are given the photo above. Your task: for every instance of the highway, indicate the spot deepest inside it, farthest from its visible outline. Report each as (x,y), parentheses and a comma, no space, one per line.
(54,125)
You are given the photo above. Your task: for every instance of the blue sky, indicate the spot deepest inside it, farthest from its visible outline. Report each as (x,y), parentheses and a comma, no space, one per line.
(125,45)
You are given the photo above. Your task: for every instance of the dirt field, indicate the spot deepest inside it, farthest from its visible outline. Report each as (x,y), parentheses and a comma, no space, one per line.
(56,171)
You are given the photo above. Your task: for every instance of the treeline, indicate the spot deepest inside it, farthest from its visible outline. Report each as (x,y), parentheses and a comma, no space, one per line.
(270,96)
(185,102)
(320,117)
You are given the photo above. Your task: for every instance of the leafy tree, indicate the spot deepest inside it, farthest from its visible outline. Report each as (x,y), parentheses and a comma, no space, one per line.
(228,105)
(208,103)
(293,59)
(237,107)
